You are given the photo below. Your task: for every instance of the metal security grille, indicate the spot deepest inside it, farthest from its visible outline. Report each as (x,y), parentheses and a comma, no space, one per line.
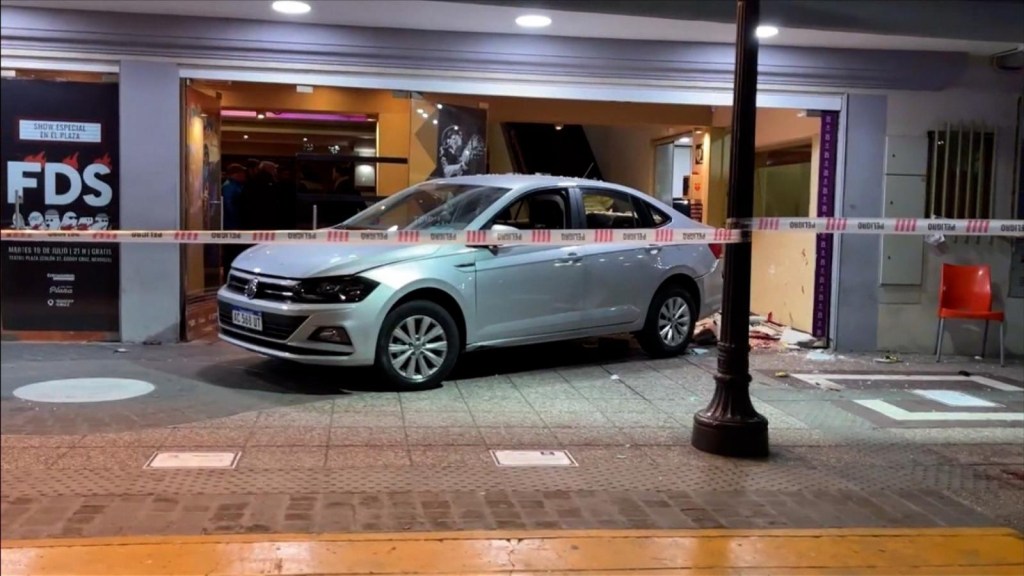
(961,169)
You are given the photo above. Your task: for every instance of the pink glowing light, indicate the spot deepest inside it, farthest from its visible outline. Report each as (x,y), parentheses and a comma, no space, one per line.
(298,116)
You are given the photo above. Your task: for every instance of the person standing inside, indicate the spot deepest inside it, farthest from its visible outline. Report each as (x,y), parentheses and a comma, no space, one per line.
(233,196)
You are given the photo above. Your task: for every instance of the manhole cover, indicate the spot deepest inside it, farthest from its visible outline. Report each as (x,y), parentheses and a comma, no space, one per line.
(515,458)
(82,390)
(193,460)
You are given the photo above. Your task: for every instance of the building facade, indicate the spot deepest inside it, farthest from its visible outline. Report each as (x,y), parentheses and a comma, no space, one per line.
(884,101)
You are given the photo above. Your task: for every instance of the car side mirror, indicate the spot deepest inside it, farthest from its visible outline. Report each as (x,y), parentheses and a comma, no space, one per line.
(499,228)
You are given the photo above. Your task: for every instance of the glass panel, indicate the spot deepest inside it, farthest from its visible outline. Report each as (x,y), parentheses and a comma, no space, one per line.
(430,205)
(604,209)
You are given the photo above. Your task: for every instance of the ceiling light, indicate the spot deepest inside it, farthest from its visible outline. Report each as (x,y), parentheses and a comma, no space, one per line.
(435,122)
(558,126)
(533,21)
(290,7)
(766,31)
(439,106)
(261,115)
(684,140)
(419,110)
(245,136)
(305,139)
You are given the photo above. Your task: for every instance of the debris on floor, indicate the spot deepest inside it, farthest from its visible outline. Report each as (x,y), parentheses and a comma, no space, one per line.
(820,355)
(705,333)
(781,374)
(794,337)
(705,337)
(888,359)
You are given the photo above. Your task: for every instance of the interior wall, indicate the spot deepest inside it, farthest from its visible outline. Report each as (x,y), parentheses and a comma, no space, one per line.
(784,262)
(626,153)
(907,315)
(498,156)
(700,173)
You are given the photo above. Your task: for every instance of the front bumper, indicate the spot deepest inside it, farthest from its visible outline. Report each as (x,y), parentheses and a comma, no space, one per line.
(288,329)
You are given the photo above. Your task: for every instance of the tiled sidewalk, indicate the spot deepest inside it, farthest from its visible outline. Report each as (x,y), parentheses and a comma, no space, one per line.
(323,450)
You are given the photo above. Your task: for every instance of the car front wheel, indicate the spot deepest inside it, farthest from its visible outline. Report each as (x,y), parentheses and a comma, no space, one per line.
(418,345)
(671,319)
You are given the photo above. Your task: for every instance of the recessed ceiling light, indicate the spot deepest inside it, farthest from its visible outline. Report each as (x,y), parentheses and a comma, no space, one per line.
(533,21)
(684,140)
(305,139)
(245,136)
(261,115)
(435,122)
(439,106)
(290,7)
(419,110)
(766,31)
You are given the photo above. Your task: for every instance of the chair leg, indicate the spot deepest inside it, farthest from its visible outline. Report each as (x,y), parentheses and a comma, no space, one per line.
(1002,345)
(984,340)
(938,340)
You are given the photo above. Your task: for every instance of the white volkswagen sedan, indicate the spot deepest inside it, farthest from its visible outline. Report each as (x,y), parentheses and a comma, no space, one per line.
(412,310)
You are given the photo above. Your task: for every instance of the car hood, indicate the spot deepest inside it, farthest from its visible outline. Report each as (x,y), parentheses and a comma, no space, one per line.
(313,260)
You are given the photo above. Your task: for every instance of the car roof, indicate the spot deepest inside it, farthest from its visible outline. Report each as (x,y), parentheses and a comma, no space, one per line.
(521,181)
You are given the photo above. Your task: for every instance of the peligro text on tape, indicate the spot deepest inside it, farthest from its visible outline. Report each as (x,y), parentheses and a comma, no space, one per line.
(700,235)
(912,226)
(703,235)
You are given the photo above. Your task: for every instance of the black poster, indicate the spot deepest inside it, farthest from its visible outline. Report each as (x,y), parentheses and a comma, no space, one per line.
(461,142)
(60,172)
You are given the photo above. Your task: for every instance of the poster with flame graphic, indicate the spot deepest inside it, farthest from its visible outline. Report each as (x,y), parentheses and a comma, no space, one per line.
(60,172)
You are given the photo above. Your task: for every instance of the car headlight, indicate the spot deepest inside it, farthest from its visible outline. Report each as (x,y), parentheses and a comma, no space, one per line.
(337,289)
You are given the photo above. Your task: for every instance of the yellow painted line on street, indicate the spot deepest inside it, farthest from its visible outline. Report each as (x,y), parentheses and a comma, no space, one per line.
(934,552)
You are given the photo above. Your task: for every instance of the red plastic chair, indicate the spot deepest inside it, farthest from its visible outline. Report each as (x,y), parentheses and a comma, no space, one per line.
(965,293)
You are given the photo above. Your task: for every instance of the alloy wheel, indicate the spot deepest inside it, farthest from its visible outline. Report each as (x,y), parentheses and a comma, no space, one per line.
(417,347)
(674,321)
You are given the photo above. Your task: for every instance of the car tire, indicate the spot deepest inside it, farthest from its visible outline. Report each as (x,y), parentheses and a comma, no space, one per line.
(663,334)
(418,345)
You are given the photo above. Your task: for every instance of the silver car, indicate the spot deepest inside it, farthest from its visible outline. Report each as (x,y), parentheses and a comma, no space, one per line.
(411,310)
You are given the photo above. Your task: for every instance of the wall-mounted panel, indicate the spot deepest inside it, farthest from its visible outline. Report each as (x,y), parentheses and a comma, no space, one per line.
(903,256)
(906,155)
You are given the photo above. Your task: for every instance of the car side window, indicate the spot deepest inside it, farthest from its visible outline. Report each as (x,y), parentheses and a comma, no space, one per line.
(657,218)
(544,210)
(605,209)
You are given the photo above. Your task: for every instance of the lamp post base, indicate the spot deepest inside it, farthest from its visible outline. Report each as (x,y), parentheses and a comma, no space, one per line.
(736,437)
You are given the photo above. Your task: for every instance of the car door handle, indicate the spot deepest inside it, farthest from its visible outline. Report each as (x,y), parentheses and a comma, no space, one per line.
(571,259)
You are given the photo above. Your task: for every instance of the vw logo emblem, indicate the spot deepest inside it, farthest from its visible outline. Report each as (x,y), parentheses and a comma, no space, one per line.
(251,288)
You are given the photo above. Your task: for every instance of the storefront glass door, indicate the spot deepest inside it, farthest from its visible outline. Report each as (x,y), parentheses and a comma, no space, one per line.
(201,210)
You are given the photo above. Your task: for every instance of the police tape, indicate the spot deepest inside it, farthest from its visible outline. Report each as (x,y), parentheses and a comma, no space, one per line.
(702,235)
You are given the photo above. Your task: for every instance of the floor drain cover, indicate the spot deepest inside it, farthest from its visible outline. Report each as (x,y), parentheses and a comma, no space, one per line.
(178,460)
(525,458)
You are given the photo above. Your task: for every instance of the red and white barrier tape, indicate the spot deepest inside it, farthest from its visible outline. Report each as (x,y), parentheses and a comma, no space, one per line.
(905,226)
(470,237)
(912,226)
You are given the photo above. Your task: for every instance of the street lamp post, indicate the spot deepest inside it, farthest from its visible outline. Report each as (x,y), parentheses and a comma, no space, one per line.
(730,426)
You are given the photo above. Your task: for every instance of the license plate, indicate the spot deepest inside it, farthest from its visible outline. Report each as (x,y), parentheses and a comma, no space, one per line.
(247,319)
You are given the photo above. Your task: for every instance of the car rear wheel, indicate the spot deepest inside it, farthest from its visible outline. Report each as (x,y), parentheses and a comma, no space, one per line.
(671,319)
(418,345)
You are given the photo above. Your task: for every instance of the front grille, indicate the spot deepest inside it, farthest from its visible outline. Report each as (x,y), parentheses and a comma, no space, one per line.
(275,289)
(275,326)
(238,334)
